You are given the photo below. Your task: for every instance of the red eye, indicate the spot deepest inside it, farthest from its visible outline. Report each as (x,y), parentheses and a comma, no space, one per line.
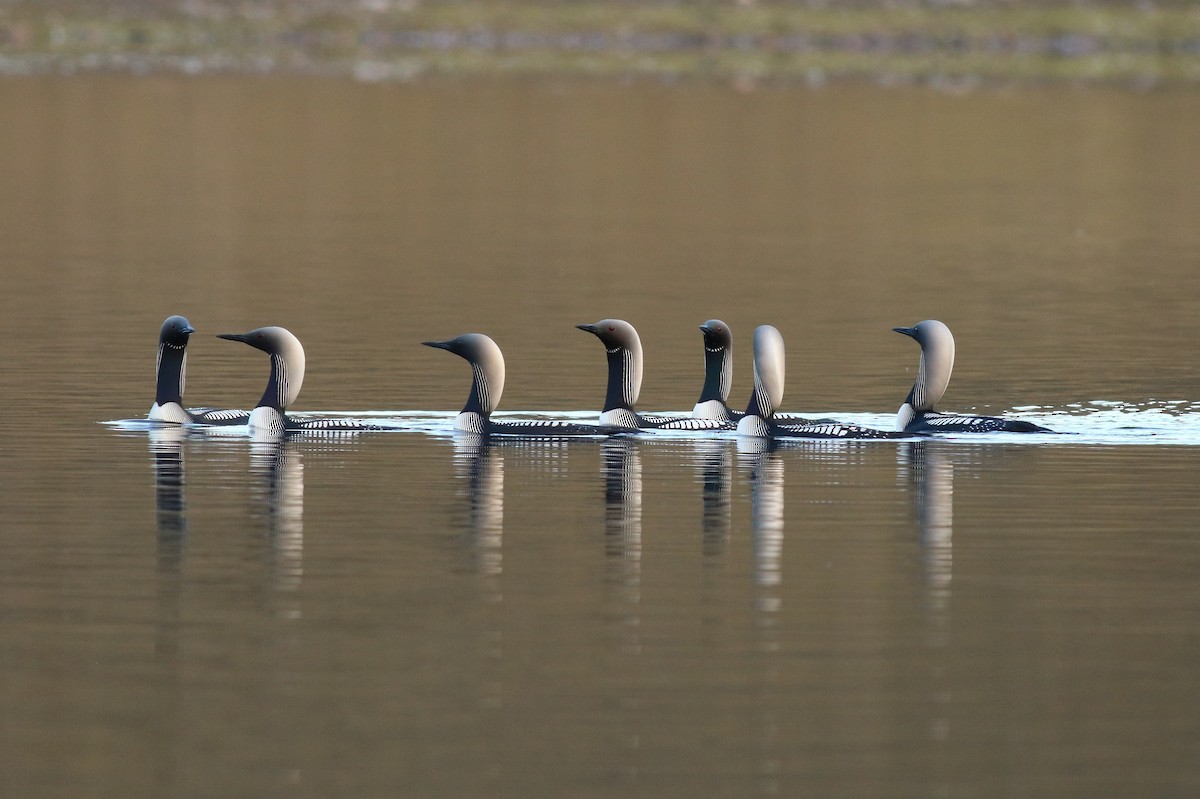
(611,328)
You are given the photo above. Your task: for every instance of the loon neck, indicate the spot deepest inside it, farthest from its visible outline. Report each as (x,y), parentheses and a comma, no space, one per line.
(760,403)
(934,368)
(487,385)
(769,366)
(718,374)
(477,402)
(933,376)
(624,378)
(283,384)
(171,371)
(272,397)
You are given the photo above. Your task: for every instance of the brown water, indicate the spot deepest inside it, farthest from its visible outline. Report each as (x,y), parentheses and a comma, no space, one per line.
(401,614)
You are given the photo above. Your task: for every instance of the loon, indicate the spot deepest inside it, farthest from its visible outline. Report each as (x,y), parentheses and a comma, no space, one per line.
(269,418)
(718,373)
(760,419)
(171,370)
(487,384)
(624,348)
(933,375)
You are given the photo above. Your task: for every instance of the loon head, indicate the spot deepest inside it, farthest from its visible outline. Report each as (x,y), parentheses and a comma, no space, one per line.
(624,361)
(933,372)
(287,363)
(175,331)
(769,362)
(718,361)
(171,361)
(717,334)
(487,365)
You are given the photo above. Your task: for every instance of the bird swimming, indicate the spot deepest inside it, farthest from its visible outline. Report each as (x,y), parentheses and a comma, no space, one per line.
(170,374)
(269,418)
(760,419)
(624,348)
(933,375)
(487,385)
(718,373)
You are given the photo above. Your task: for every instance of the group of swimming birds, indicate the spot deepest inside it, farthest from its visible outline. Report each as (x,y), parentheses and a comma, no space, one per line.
(712,412)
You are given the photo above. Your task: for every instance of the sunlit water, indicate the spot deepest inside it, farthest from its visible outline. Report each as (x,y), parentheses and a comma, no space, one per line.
(412,612)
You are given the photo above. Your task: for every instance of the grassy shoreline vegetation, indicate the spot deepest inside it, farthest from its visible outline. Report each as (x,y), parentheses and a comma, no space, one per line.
(951,42)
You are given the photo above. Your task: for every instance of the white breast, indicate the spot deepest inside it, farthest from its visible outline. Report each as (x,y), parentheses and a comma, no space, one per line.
(754,426)
(169,412)
(265,424)
(620,417)
(710,409)
(469,422)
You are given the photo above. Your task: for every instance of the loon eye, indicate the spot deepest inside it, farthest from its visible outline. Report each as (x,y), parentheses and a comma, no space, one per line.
(611,329)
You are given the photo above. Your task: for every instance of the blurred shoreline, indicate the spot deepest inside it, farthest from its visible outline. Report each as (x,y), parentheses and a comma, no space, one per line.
(950,44)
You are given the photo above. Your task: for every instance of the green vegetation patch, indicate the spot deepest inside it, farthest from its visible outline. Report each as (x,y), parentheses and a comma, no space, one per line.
(401,39)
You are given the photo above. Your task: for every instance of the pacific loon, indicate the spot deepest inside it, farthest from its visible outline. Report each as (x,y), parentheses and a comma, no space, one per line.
(170,375)
(269,418)
(624,348)
(487,385)
(718,373)
(760,419)
(933,375)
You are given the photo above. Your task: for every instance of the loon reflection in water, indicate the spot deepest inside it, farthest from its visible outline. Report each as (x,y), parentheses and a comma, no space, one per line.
(622,470)
(927,468)
(760,459)
(280,496)
(170,505)
(714,463)
(166,449)
(480,467)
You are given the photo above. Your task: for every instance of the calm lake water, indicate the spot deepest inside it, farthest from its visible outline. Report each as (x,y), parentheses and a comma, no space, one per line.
(408,614)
